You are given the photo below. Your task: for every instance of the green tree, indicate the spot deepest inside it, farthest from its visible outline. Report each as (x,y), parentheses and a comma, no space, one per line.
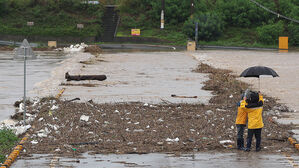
(3,7)
(269,33)
(241,13)
(210,26)
(293,28)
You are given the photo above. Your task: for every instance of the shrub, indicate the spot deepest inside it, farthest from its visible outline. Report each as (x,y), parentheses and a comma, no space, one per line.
(293,28)
(7,141)
(210,26)
(128,22)
(242,13)
(293,34)
(3,7)
(269,33)
(176,11)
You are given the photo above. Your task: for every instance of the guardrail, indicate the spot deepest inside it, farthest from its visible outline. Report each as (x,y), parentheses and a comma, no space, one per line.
(14,43)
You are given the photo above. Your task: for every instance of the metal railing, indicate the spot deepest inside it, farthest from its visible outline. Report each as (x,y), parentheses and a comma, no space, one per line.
(14,43)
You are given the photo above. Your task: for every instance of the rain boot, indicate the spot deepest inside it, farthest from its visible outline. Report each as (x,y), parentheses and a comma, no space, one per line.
(240,144)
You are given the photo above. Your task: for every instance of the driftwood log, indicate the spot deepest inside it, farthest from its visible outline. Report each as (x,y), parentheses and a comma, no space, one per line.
(173,95)
(69,77)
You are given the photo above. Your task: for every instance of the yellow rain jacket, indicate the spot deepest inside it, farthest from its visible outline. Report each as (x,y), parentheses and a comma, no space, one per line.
(255,116)
(255,119)
(242,114)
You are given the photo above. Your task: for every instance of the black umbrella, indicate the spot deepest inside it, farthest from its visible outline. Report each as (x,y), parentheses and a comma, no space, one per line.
(257,71)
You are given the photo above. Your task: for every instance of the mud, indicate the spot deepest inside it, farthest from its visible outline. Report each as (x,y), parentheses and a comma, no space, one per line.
(69,128)
(6,48)
(93,49)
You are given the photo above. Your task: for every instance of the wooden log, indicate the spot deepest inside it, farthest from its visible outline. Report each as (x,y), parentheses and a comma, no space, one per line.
(69,77)
(173,95)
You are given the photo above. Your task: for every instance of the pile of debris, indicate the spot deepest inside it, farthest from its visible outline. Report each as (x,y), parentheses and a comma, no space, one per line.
(93,49)
(67,127)
(75,48)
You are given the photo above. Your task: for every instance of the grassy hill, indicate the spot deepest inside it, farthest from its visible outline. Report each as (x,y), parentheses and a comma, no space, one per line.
(50,17)
(221,22)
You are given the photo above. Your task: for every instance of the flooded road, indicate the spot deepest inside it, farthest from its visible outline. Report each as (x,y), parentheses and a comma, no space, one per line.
(155,160)
(153,78)
(285,87)
(12,76)
(149,77)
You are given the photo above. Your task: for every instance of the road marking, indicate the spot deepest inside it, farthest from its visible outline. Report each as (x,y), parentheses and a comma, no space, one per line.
(60,93)
(291,161)
(54,162)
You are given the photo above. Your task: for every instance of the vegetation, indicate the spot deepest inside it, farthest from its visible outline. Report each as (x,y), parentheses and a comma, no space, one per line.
(235,22)
(7,141)
(51,18)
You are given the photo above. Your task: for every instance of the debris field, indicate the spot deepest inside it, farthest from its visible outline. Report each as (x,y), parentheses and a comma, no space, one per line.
(70,128)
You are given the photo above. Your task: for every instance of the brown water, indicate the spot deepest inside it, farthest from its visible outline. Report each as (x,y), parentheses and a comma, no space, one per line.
(152,78)
(149,77)
(12,76)
(285,87)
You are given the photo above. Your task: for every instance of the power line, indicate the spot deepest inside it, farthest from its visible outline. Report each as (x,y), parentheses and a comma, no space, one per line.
(275,13)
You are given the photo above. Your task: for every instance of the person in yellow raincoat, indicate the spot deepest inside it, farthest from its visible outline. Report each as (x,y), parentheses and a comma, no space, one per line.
(254,109)
(241,121)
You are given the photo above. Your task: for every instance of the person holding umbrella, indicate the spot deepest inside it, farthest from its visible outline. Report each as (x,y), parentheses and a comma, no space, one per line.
(254,105)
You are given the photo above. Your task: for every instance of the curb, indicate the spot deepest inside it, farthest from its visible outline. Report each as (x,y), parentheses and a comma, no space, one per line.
(17,150)
(294,143)
(60,93)
(15,153)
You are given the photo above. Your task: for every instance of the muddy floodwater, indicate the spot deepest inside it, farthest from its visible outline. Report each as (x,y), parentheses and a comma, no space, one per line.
(152,78)
(12,76)
(155,160)
(285,87)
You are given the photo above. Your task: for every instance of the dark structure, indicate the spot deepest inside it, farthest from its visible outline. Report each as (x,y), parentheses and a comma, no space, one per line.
(69,77)
(110,23)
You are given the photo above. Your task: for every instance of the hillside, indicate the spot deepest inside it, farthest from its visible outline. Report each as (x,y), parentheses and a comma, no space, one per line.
(221,22)
(50,17)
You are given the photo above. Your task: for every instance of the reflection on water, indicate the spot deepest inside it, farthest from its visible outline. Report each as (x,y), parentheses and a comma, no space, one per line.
(12,73)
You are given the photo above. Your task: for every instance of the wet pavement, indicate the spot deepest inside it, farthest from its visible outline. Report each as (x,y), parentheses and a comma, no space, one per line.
(155,160)
(12,73)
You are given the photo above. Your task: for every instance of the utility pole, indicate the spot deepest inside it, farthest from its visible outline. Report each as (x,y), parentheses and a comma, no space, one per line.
(162,13)
(277,6)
